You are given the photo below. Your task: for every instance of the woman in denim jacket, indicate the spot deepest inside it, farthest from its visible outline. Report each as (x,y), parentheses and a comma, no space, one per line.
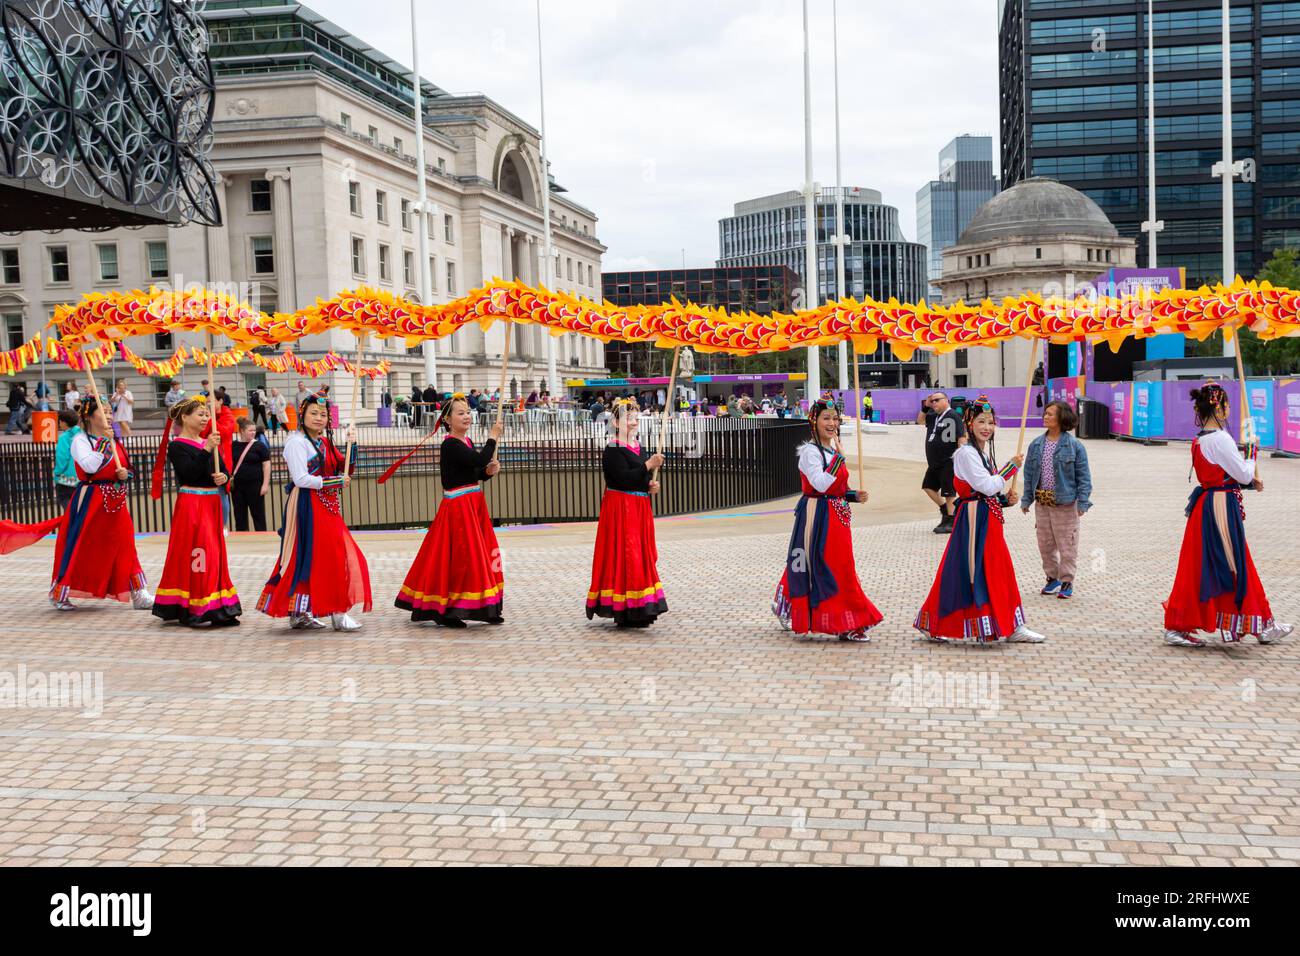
(1059,482)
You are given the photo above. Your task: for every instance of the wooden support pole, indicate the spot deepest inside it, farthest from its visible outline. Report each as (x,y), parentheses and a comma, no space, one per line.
(501,389)
(356,394)
(857,389)
(212,406)
(668,405)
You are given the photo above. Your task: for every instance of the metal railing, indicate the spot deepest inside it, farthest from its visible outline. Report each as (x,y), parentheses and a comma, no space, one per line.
(550,473)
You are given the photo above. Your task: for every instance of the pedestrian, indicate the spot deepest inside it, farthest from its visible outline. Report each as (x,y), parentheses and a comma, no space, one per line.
(625,583)
(1216,587)
(320,571)
(256,405)
(279,409)
(457,574)
(1058,482)
(19,409)
(868,407)
(223,396)
(302,395)
(944,434)
(974,597)
(819,590)
(430,398)
(65,469)
(42,396)
(123,404)
(71,397)
(174,394)
(417,406)
(195,588)
(251,479)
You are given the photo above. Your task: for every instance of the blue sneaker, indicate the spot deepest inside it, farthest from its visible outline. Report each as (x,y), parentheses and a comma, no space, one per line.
(1051,587)
(1067,590)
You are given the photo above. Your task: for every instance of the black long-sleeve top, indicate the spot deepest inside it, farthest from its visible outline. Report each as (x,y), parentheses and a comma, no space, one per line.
(191,465)
(625,470)
(462,464)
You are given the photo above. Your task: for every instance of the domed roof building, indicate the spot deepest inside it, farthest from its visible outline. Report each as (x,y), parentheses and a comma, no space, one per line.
(1037,236)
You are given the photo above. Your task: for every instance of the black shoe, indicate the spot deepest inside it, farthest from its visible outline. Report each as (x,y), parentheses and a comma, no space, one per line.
(451,622)
(946,526)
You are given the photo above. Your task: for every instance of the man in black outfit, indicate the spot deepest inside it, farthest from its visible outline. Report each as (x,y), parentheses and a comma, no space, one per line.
(944,434)
(431,398)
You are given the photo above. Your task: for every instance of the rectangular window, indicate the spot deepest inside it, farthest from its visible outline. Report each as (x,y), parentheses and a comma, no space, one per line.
(59,271)
(1285,144)
(433,274)
(1279,47)
(1280,14)
(107,261)
(1201,92)
(448,229)
(13,329)
(373,133)
(156,253)
(1077,134)
(397,143)
(408,267)
(590,274)
(354,198)
(162,341)
(1280,111)
(442,165)
(961,359)
(9,266)
(385,270)
(1082,29)
(1204,56)
(345,121)
(568,264)
(263,255)
(1071,99)
(451,278)
(405,209)
(381,205)
(1278,79)
(428,220)
(1055,65)
(358,256)
(1099,166)
(259,195)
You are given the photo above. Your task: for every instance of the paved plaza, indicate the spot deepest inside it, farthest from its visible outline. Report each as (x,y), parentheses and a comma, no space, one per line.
(711,738)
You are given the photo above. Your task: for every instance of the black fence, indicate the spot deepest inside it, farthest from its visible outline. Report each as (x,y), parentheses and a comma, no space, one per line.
(549,474)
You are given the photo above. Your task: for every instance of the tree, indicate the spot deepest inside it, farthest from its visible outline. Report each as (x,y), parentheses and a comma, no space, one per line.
(1280,356)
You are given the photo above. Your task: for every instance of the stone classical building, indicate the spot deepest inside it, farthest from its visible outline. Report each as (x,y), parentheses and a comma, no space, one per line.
(1038,236)
(314,147)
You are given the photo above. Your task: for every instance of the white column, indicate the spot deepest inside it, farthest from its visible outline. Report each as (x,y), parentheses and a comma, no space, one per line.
(281,210)
(219,238)
(812,284)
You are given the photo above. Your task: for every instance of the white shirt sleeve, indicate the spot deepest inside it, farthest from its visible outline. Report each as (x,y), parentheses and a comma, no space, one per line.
(810,463)
(298,454)
(1220,449)
(89,460)
(969,467)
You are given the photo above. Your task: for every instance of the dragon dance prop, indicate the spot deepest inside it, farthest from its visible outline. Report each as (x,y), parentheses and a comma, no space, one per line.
(16,360)
(1271,312)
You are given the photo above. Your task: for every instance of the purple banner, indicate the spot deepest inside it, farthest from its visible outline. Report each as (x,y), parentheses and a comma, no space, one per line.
(1287,407)
(1064,390)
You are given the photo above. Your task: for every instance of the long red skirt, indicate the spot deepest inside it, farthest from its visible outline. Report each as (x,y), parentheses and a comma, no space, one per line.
(625,583)
(994,620)
(849,609)
(457,573)
(320,570)
(195,587)
(100,549)
(1184,609)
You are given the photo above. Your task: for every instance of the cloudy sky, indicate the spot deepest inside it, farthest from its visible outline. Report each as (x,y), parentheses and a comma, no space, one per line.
(662,114)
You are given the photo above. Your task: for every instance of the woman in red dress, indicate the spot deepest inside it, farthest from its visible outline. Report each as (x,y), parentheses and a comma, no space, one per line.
(974,597)
(819,591)
(94,554)
(625,583)
(320,572)
(457,576)
(1216,587)
(195,588)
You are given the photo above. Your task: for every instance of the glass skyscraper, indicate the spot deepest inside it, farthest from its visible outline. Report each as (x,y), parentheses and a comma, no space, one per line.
(1074,108)
(945,205)
(878,262)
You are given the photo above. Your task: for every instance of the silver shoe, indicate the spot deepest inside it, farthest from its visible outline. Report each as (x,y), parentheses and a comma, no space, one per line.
(1274,633)
(62,605)
(859,636)
(1023,635)
(141,600)
(344,622)
(305,622)
(1182,639)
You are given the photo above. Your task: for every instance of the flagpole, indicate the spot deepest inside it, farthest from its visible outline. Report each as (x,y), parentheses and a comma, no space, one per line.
(840,238)
(424,280)
(812,283)
(552,385)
